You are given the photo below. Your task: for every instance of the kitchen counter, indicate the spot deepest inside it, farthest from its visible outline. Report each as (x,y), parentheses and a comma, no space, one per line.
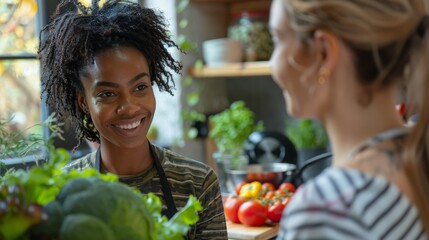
(242,232)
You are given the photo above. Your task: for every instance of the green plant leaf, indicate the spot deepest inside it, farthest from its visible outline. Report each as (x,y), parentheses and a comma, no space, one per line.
(182,6)
(198,64)
(183,23)
(193,98)
(307,134)
(232,127)
(192,133)
(186,46)
(188,81)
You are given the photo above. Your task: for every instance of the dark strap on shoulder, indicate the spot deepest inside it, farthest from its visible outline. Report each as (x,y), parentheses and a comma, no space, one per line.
(168,196)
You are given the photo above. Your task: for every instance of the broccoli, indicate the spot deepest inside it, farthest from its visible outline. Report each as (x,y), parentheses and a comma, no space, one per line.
(84,227)
(92,208)
(95,205)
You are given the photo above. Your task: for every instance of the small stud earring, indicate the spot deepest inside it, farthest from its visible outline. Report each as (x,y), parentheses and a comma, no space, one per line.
(323,75)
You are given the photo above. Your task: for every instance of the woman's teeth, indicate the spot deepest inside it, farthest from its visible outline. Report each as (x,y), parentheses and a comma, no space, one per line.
(130,126)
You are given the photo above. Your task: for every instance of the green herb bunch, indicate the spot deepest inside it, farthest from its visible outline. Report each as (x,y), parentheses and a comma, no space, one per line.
(307,134)
(231,127)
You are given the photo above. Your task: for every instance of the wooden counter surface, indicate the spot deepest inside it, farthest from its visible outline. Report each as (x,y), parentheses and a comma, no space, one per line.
(242,232)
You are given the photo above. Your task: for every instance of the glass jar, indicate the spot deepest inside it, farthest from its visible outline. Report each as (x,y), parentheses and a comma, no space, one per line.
(251,28)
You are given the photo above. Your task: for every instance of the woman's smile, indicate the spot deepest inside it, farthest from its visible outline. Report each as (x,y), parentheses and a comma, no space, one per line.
(129,126)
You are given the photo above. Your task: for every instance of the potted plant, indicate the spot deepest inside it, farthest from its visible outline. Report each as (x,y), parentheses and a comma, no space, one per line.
(230,129)
(309,138)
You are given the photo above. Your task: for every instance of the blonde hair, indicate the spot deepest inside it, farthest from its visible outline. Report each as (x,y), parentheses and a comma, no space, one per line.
(386,37)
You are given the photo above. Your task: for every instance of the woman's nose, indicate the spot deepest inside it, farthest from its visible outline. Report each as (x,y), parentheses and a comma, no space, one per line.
(128,107)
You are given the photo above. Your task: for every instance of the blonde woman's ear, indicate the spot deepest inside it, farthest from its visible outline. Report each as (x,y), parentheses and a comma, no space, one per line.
(328,47)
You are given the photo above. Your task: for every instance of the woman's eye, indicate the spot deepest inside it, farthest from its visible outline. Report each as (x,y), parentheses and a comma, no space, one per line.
(105,94)
(140,87)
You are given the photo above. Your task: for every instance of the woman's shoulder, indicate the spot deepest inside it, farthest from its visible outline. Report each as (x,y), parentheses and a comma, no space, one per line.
(346,188)
(171,159)
(349,200)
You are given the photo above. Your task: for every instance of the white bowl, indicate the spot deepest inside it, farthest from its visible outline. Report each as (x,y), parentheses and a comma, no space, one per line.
(219,51)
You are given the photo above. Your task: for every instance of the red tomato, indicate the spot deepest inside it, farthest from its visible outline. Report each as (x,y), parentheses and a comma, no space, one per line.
(238,187)
(280,193)
(286,201)
(270,194)
(252,213)
(275,211)
(267,186)
(231,206)
(250,177)
(287,187)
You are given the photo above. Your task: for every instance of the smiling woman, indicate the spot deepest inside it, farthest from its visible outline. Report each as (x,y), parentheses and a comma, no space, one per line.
(119,99)
(102,79)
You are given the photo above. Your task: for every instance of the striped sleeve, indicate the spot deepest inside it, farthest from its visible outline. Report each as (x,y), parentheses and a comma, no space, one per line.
(347,204)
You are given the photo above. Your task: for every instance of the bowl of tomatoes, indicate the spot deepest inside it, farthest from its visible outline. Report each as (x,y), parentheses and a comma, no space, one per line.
(275,173)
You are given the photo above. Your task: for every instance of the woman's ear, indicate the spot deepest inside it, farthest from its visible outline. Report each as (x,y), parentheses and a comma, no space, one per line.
(328,46)
(82,101)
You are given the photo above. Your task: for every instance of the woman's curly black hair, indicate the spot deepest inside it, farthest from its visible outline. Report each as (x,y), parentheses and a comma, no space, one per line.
(76,33)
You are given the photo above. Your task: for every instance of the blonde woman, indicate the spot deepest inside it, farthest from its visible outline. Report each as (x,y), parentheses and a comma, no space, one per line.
(342,62)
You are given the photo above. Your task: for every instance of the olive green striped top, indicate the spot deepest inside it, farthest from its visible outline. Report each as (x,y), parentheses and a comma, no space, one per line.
(186,177)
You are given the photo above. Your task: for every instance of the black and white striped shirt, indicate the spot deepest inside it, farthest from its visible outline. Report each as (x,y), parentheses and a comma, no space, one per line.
(349,204)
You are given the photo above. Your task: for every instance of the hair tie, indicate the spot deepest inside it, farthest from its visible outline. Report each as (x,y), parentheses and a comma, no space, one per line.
(423,24)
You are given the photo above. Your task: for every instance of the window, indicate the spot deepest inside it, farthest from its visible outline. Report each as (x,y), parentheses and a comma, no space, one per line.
(19,69)
(19,74)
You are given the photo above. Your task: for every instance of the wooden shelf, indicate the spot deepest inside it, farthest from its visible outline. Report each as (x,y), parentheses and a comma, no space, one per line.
(244,69)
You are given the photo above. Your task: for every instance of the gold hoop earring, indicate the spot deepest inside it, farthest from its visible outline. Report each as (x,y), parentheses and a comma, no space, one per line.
(323,75)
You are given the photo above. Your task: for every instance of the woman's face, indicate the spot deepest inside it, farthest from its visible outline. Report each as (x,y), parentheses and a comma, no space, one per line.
(119,97)
(297,79)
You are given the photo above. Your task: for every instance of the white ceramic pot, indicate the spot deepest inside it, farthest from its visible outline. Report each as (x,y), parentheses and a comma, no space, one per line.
(219,51)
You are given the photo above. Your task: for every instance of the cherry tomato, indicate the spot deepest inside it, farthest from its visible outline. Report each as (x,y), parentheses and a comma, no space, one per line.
(238,187)
(287,187)
(270,194)
(286,201)
(231,206)
(252,213)
(275,212)
(267,186)
(250,177)
(280,193)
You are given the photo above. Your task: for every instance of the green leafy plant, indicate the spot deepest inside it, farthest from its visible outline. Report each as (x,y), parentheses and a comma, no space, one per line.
(18,144)
(307,134)
(190,115)
(231,128)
